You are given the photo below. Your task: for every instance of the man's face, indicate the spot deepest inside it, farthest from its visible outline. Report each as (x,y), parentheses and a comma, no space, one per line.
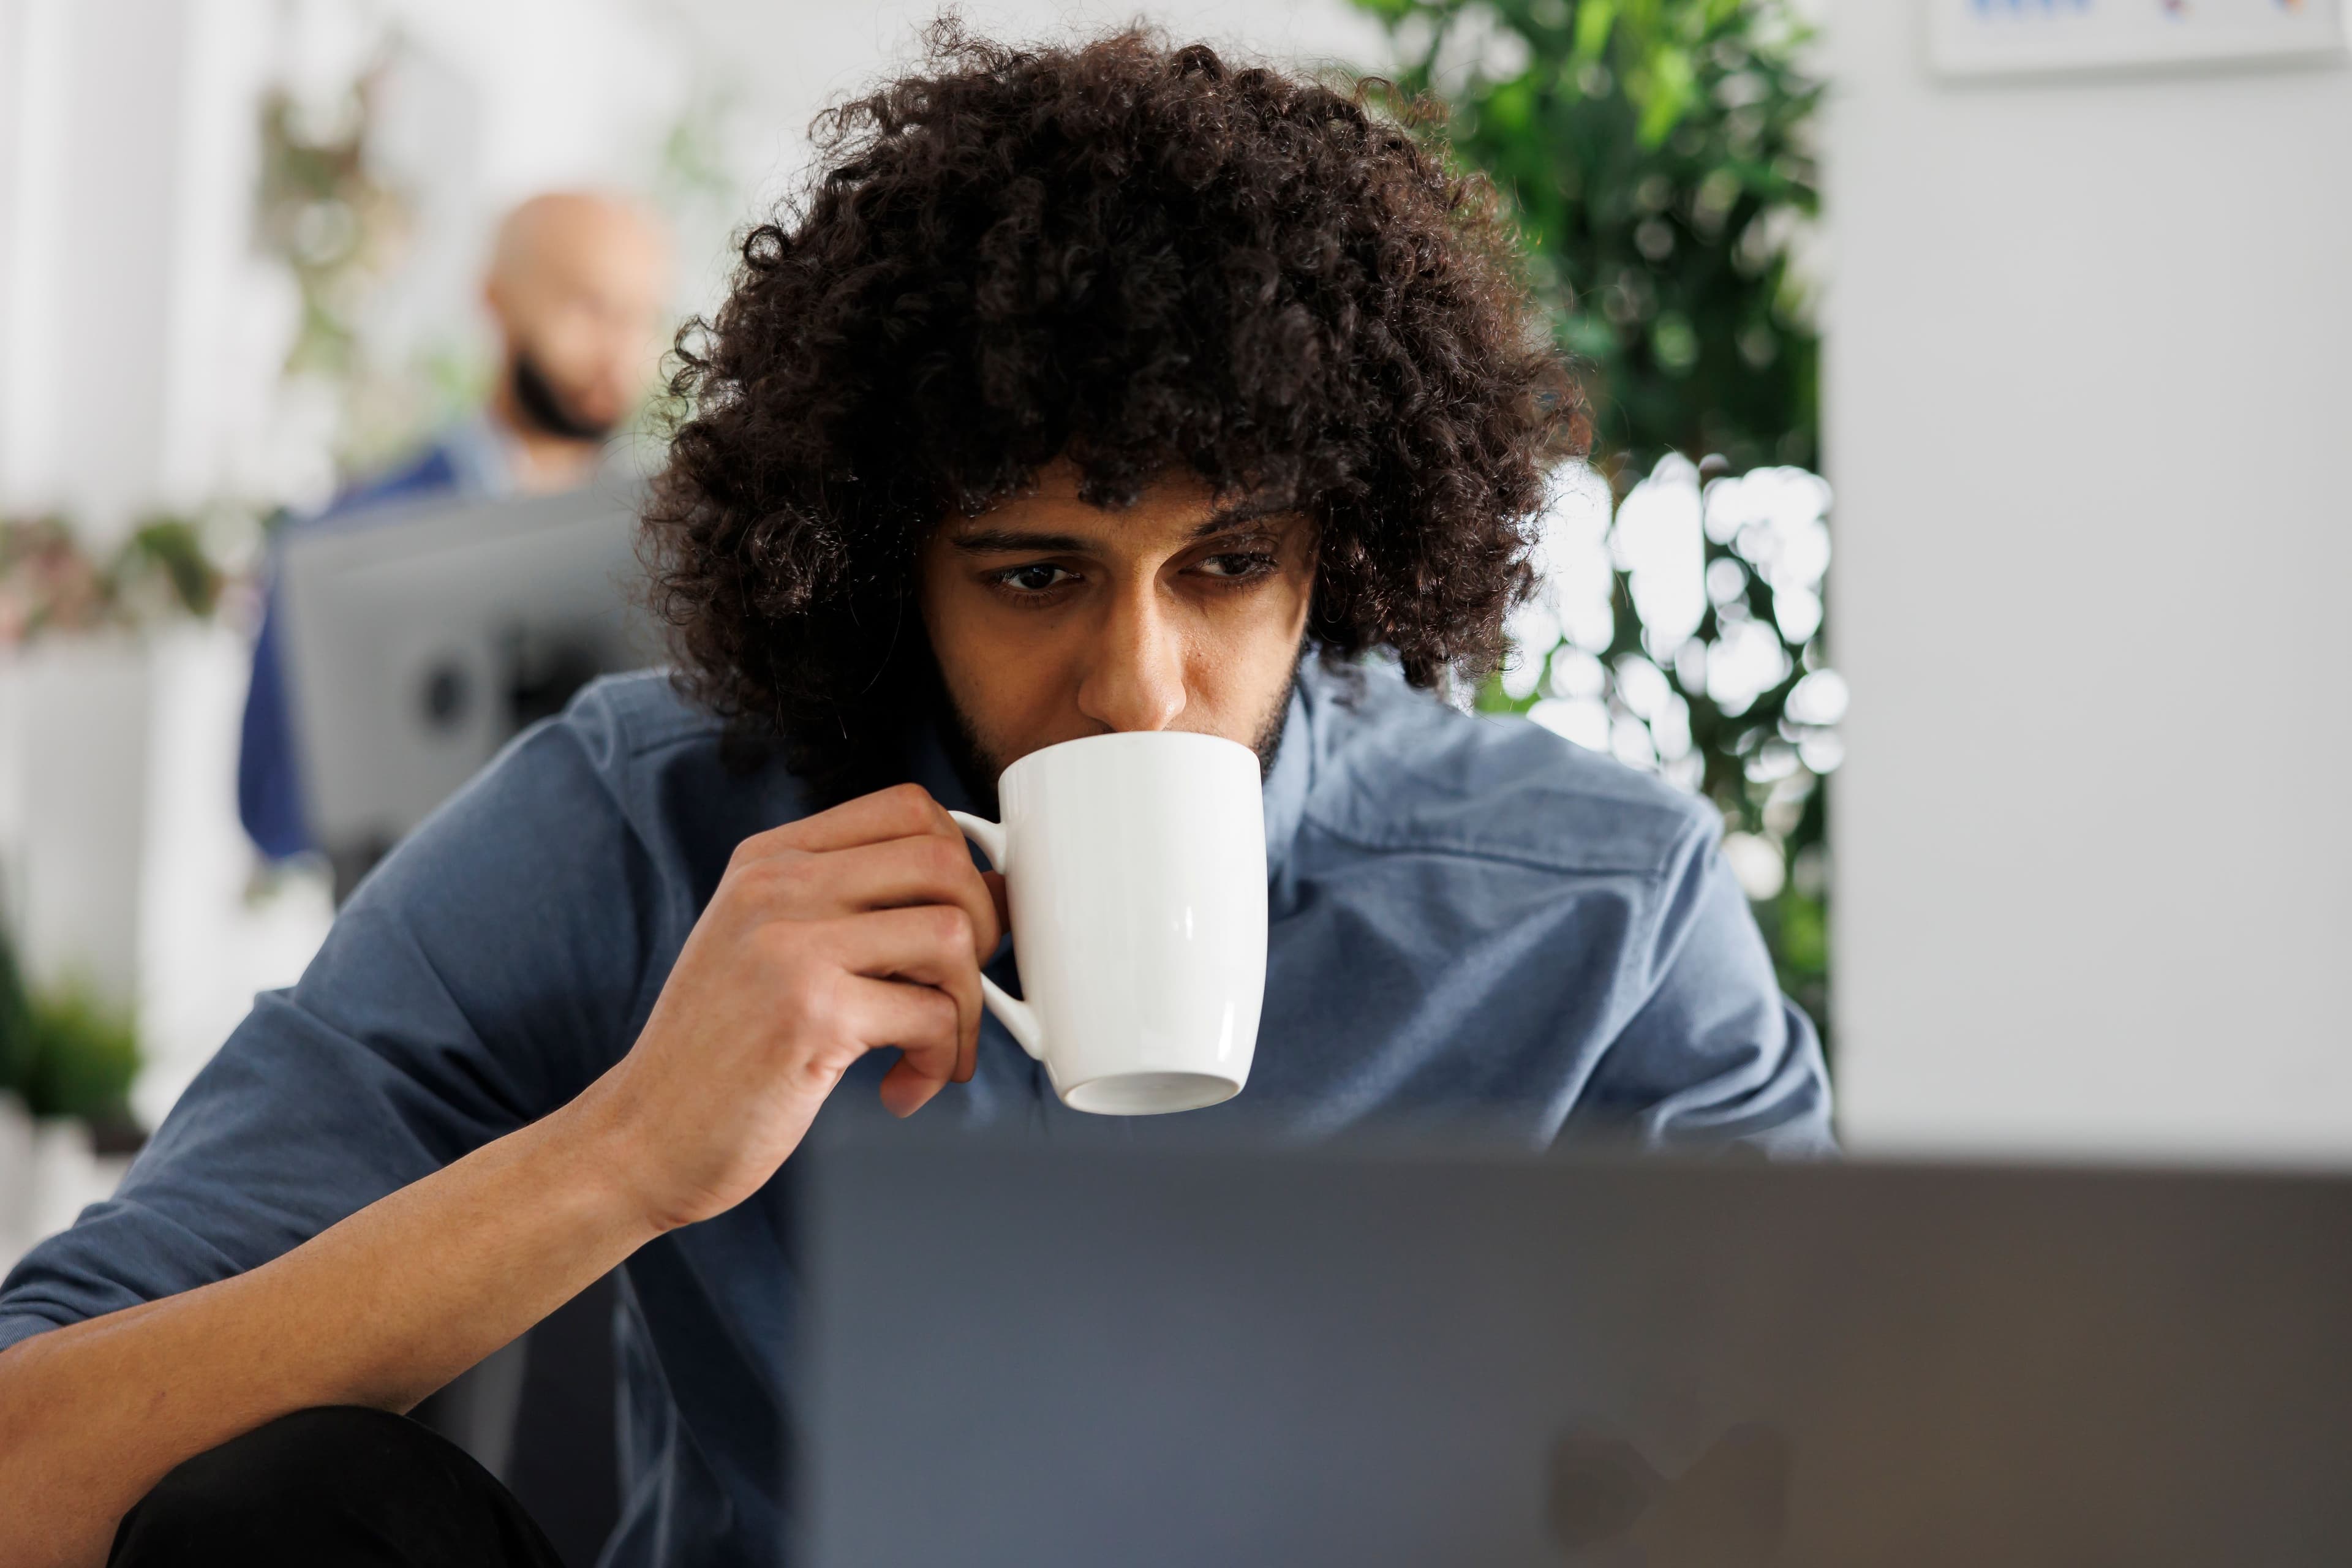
(580,300)
(1053,619)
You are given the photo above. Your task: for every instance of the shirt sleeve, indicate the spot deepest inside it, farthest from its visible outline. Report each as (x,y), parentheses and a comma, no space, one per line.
(482,977)
(1714,1055)
(269,788)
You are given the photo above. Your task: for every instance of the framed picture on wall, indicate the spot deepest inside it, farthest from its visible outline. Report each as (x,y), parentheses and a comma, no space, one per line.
(2001,37)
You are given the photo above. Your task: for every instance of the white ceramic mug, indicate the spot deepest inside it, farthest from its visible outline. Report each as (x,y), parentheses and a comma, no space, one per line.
(1134,865)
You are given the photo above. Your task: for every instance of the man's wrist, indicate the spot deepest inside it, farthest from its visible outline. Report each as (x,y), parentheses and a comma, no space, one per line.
(598,1157)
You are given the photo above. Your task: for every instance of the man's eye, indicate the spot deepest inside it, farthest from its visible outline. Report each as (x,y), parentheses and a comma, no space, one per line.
(1237,566)
(1037,579)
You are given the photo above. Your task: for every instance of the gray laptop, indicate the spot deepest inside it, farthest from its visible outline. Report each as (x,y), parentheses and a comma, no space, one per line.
(1061,1358)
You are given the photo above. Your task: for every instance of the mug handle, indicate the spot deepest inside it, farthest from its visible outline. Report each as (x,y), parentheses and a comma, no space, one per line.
(1020,1020)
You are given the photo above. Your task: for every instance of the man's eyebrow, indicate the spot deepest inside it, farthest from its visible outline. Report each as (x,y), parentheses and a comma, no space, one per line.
(1235,516)
(1007,541)
(1232,519)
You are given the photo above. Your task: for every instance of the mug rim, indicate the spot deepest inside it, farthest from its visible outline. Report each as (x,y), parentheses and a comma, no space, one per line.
(1148,737)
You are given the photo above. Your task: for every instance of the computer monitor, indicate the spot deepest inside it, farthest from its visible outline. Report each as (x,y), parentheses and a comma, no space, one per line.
(420,638)
(1054,1357)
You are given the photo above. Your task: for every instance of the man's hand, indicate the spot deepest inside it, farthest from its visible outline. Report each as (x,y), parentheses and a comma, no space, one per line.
(862,926)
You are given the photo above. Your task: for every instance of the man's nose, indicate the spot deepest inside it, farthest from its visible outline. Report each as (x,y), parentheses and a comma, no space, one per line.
(1135,680)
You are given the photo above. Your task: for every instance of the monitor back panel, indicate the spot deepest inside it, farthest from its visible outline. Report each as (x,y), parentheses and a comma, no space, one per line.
(408,631)
(1058,1358)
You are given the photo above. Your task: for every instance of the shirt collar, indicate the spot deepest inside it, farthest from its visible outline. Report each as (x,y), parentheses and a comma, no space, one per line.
(1287,781)
(482,452)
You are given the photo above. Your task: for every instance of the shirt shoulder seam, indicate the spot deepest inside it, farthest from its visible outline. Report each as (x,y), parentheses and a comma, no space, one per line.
(1498,857)
(642,745)
(677,729)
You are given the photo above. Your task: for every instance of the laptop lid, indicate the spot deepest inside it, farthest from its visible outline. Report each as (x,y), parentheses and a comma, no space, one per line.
(1061,1357)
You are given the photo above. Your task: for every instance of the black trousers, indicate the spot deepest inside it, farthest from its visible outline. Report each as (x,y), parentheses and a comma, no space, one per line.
(340,1487)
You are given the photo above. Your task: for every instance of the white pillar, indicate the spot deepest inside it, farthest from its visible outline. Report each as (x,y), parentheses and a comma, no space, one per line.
(2087,414)
(74,752)
(127,158)
(128,142)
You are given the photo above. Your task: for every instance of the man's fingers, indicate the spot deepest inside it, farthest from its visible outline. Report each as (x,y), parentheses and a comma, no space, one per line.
(927,1027)
(930,945)
(904,811)
(899,873)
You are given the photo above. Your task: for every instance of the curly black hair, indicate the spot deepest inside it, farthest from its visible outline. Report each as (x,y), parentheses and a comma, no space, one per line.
(1136,257)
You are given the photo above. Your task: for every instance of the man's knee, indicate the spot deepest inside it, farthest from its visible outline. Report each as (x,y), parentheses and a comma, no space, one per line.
(339,1484)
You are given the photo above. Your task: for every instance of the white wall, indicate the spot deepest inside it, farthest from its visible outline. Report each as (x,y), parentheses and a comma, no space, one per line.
(91,200)
(796,56)
(2089,414)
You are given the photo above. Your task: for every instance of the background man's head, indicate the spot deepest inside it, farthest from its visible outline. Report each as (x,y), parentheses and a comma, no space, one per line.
(579,287)
(969,425)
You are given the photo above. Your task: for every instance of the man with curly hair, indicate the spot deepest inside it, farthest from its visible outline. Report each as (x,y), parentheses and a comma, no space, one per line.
(1089,389)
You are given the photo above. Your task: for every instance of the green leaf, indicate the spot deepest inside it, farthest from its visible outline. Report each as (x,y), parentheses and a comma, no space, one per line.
(1804,934)
(1594,19)
(1511,107)
(170,547)
(1665,89)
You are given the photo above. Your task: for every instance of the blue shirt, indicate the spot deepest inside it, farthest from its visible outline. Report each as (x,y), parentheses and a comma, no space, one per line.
(469,460)
(1468,918)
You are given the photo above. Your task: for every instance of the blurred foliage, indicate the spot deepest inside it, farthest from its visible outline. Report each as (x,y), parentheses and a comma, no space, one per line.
(690,165)
(64,1053)
(339,229)
(16,1021)
(50,582)
(322,212)
(170,550)
(1658,158)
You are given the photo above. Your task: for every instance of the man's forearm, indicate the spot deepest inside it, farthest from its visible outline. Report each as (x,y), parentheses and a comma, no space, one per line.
(381,1310)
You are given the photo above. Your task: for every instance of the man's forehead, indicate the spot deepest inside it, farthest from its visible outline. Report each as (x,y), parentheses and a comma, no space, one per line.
(573,240)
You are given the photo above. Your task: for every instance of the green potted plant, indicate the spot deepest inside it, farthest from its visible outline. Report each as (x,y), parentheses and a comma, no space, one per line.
(65,1053)
(67,1061)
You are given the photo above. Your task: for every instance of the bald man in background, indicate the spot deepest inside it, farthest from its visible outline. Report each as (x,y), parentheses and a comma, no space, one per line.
(578,289)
